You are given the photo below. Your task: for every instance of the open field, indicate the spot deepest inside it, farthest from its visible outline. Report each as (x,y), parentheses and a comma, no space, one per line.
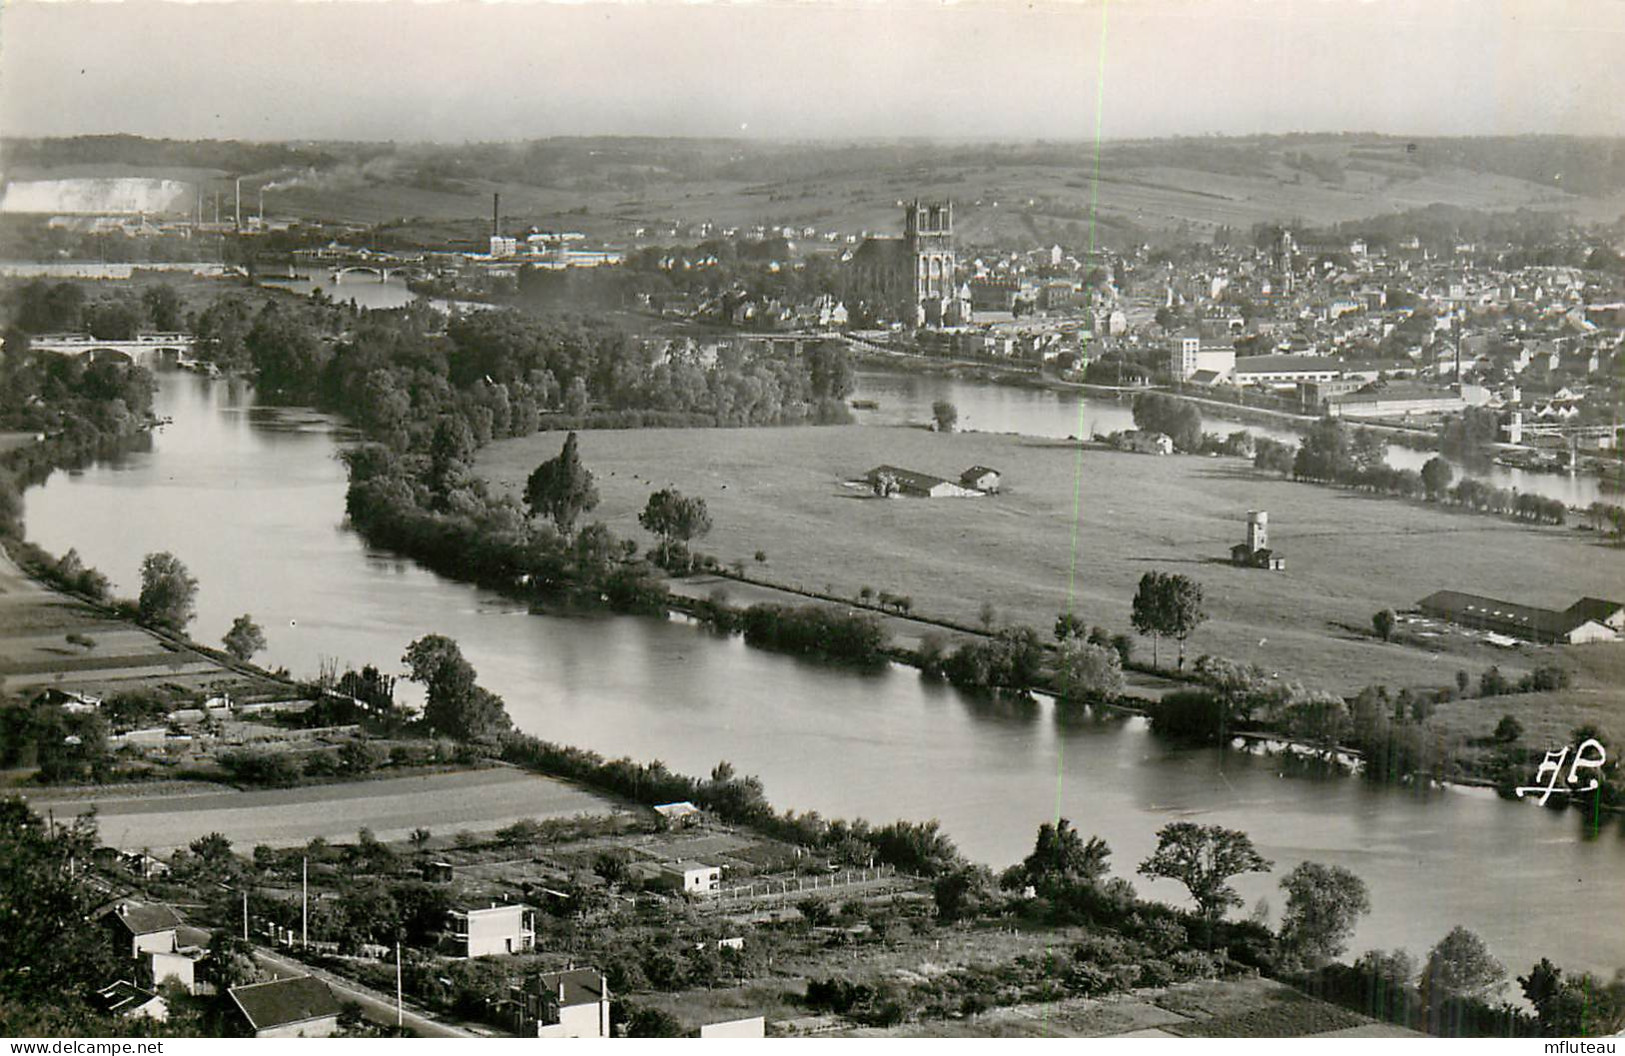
(475,800)
(35,652)
(1078,528)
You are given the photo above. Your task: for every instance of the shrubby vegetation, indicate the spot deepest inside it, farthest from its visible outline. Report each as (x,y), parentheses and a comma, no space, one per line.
(815,630)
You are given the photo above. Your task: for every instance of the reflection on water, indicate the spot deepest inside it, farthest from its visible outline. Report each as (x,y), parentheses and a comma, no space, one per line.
(252,501)
(992,408)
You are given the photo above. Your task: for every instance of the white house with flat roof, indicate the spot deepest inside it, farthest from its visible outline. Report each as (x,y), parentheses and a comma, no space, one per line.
(493,931)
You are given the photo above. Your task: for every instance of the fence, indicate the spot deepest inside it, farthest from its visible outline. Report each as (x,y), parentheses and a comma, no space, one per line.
(793,887)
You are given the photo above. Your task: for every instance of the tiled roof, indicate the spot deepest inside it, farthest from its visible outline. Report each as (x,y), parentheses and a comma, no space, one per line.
(582,986)
(143,918)
(282,1002)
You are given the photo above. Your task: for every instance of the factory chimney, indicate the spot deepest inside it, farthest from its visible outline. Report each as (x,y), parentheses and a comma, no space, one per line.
(496,204)
(237,210)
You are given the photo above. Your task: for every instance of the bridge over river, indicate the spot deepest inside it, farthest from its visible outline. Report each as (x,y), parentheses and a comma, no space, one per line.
(161,348)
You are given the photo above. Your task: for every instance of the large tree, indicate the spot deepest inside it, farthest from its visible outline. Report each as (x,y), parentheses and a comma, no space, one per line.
(1084,671)
(1461,965)
(245,638)
(1062,859)
(168,593)
(1436,477)
(163,307)
(561,489)
(1204,858)
(456,706)
(1323,904)
(49,954)
(1167,603)
(675,517)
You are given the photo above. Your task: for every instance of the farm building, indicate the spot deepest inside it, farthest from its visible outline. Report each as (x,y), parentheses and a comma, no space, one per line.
(1587,620)
(891,480)
(981,478)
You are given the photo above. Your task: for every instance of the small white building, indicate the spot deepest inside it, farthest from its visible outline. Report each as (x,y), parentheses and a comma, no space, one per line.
(690,877)
(493,931)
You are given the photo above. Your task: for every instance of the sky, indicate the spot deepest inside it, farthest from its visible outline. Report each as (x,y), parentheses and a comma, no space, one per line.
(460,70)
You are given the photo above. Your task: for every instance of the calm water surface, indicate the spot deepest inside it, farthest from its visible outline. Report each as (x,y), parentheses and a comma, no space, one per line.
(1039,412)
(252,499)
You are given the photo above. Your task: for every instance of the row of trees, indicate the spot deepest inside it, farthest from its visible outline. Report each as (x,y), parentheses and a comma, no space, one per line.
(1332,453)
(500,371)
(40,306)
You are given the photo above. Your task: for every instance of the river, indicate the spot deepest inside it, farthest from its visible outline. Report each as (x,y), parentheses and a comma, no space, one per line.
(994,408)
(251,499)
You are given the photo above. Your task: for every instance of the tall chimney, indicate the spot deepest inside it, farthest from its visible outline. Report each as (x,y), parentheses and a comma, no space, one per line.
(496,204)
(237,210)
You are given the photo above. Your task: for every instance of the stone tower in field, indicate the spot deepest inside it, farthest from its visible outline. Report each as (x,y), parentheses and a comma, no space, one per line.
(928,236)
(1258,530)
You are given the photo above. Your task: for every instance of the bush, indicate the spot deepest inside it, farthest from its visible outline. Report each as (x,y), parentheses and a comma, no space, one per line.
(816,630)
(251,766)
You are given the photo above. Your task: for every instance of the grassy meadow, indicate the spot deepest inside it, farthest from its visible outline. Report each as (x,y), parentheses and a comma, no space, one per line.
(1076,529)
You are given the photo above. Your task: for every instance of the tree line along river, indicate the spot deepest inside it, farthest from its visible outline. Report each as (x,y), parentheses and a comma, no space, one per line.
(251,498)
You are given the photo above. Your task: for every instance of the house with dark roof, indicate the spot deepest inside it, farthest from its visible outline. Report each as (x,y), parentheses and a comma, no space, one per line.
(570,1004)
(301,1007)
(1587,620)
(981,478)
(141,927)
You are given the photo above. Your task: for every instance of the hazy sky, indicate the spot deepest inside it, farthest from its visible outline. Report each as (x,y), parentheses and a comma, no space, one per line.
(275,69)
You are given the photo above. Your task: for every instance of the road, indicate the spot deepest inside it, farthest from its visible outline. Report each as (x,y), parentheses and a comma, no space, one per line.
(374,1006)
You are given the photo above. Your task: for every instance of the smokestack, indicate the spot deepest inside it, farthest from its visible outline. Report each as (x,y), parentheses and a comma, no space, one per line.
(237,210)
(496,204)
(262,203)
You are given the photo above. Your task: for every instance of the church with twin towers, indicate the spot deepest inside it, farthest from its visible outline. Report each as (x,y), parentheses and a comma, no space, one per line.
(915,279)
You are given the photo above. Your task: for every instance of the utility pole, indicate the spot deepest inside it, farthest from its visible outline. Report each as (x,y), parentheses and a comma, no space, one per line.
(400,1014)
(245,914)
(304,902)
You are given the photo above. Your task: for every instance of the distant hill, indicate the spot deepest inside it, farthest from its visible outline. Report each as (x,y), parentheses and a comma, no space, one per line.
(1004,193)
